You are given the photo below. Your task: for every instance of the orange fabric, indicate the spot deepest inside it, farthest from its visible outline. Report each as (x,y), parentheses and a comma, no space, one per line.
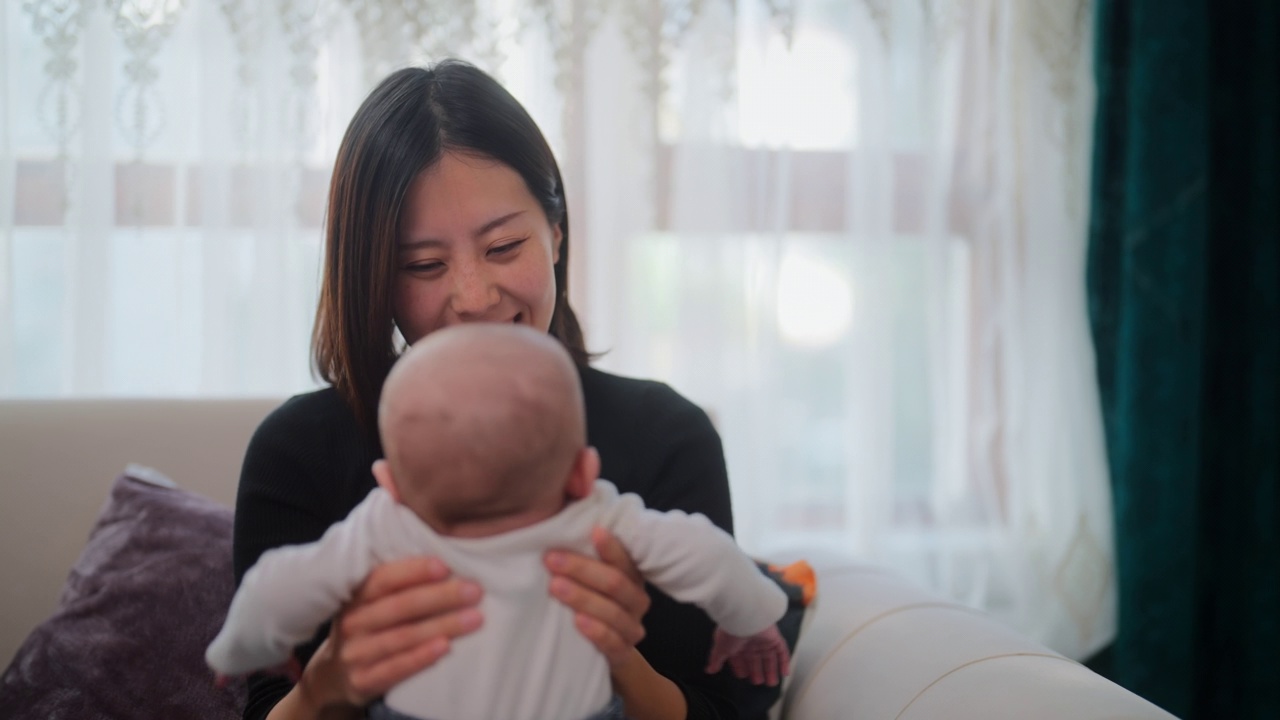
(800,574)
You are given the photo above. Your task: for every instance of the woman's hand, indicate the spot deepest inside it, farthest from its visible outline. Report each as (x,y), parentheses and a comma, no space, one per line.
(400,622)
(606,595)
(609,602)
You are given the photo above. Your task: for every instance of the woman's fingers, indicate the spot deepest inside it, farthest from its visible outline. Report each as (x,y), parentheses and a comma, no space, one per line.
(607,640)
(370,681)
(400,622)
(611,550)
(599,608)
(614,576)
(367,649)
(389,578)
(398,605)
(606,595)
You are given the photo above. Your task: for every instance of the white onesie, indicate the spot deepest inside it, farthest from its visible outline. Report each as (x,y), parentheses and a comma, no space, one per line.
(528,661)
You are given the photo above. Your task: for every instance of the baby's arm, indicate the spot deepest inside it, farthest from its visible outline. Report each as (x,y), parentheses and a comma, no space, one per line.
(692,560)
(289,593)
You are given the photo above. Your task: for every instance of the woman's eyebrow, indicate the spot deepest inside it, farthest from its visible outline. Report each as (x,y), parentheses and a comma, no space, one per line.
(495,223)
(416,244)
(479,232)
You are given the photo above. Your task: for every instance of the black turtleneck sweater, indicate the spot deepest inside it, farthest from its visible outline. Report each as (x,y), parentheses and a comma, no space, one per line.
(308,465)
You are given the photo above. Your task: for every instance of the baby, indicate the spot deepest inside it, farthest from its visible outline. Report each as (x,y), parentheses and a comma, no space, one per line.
(487,468)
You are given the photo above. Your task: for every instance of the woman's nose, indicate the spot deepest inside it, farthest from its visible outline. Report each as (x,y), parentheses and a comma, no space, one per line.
(474,292)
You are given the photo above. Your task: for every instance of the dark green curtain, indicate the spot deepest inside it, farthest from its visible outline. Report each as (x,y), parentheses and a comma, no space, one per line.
(1183,276)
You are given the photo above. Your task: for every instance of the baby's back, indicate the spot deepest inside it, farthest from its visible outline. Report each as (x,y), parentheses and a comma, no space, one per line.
(527,661)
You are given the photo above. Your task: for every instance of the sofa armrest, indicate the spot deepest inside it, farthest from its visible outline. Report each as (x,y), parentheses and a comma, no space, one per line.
(877,647)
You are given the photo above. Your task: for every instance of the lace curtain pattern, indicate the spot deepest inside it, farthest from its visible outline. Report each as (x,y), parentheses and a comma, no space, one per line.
(852,230)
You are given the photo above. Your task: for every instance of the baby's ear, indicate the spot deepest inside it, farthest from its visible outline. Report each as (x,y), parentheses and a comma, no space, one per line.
(583,474)
(382,473)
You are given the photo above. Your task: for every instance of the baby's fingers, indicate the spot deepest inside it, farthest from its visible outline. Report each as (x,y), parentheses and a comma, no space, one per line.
(771,669)
(755,664)
(716,661)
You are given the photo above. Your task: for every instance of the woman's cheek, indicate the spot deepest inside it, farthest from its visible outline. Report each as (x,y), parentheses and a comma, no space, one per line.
(413,313)
(542,294)
(549,305)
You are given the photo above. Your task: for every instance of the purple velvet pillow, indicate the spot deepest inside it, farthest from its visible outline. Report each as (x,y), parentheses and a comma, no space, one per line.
(147,595)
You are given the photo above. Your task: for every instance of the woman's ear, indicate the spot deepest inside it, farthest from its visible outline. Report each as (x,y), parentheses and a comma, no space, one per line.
(583,474)
(382,473)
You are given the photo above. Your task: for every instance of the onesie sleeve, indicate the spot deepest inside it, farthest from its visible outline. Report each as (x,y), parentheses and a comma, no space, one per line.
(693,561)
(292,590)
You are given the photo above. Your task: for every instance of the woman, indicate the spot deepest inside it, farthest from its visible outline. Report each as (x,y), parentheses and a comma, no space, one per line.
(447,206)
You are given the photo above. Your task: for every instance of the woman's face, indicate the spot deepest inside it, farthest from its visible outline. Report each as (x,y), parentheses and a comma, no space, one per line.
(474,246)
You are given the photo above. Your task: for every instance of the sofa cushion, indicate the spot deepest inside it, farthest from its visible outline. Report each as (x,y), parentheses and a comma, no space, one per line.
(148,593)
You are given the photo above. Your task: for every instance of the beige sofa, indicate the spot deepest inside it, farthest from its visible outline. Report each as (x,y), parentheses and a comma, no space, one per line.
(874,647)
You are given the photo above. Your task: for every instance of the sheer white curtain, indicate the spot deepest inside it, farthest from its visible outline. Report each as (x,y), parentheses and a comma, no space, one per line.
(853,230)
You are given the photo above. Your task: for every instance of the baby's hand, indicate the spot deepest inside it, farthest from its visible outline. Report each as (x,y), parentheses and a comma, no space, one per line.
(762,657)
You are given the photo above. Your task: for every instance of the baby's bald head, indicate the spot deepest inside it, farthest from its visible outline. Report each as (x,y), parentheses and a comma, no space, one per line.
(480,421)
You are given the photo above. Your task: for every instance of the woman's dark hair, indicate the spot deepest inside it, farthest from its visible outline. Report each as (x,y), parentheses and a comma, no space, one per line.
(413,117)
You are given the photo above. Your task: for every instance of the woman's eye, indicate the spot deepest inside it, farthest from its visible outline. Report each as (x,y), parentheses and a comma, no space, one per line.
(425,266)
(506,247)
